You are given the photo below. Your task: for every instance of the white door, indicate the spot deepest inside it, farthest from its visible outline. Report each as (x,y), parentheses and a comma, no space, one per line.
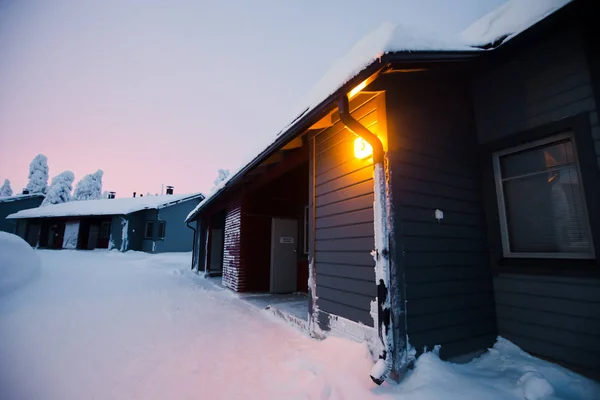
(284,258)
(71,235)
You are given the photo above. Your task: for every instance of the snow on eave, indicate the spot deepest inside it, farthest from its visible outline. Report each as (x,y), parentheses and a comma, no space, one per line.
(214,192)
(18,197)
(118,206)
(387,39)
(190,197)
(509,20)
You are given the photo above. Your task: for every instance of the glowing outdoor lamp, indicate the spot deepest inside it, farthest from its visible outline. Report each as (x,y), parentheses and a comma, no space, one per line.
(362,149)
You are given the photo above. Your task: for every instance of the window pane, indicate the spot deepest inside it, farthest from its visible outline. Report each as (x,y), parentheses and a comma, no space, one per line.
(545,213)
(161,230)
(538,159)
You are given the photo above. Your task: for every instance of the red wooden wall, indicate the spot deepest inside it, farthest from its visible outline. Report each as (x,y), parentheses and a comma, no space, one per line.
(234,275)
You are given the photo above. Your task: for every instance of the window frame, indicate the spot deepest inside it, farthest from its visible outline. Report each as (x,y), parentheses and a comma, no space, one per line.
(151,237)
(504,232)
(164,230)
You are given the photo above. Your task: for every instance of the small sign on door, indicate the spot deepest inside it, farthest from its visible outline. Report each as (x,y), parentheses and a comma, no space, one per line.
(286,240)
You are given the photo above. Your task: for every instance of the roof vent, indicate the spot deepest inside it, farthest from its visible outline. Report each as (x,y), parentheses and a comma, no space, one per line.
(133,194)
(111,195)
(25,191)
(170,189)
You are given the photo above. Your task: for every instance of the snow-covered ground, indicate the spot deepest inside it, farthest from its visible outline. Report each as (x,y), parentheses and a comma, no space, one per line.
(108,325)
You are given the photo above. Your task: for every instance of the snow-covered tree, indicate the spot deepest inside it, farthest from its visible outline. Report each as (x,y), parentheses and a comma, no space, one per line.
(105,194)
(5,189)
(38,175)
(223,174)
(60,189)
(90,187)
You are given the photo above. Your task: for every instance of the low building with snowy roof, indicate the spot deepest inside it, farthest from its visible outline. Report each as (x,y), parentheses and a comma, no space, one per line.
(12,204)
(433,192)
(153,224)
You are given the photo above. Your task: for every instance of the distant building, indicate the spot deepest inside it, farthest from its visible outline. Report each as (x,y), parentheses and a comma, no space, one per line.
(12,204)
(154,224)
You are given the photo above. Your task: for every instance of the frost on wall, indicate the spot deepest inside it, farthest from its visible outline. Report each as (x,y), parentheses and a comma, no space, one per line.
(124,236)
(90,187)
(38,175)
(313,319)
(5,189)
(71,235)
(60,189)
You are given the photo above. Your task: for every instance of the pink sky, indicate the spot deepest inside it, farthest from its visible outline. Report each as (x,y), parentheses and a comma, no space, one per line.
(167,92)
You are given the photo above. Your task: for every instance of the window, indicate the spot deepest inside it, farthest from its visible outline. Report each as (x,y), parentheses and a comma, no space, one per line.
(149,231)
(306,230)
(105,230)
(540,199)
(161,229)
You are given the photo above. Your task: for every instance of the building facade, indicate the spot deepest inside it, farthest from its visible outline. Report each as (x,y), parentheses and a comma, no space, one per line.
(153,224)
(436,198)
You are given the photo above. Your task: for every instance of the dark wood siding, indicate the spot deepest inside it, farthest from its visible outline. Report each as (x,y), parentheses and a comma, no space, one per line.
(234,274)
(11,206)
(551,316)
(343,212)
(434,165)
(136,223)
(544,84)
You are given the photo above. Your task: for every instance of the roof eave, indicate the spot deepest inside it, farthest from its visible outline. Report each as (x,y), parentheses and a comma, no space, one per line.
(398,57)
(316,113)
(192,197)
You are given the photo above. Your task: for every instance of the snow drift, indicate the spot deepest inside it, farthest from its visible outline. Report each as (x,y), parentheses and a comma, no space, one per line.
(19,263)
(503,372)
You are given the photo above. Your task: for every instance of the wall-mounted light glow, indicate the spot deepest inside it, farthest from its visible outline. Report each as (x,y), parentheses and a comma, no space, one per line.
(357,89)
(362,149)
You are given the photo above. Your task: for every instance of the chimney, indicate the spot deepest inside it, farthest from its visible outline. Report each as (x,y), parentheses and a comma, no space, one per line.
(170,189)
(111,195)
(133,194)
(25,191)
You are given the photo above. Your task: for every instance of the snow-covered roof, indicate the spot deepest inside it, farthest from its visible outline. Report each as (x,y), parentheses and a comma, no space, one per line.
(18,197)
(118,206)
(508,20)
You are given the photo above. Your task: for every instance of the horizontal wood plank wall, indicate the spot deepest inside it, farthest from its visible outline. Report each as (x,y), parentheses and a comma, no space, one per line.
(556,317)
(551,316)
(545,84)
(434,165)
(233,270)
(344,232)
